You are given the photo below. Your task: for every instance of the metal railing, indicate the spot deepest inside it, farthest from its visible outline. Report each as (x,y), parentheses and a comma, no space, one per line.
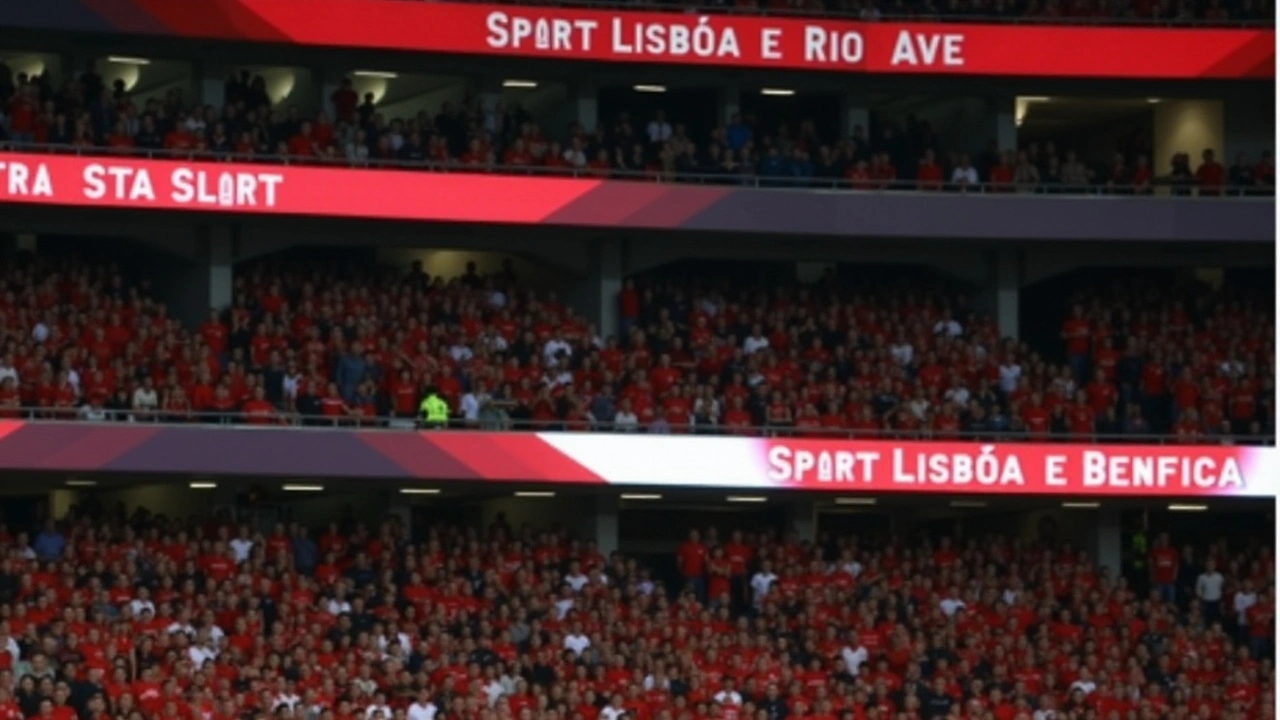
(301,421)
(1159,187)
(935,16)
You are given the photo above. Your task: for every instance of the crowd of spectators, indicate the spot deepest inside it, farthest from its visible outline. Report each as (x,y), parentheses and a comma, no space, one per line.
(901,359)
(152,618)
(87,114)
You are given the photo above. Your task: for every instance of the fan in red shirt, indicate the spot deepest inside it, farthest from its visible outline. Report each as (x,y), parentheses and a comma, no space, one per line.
(1102,393)
(1081,416)
(179,139)
(303,144)
(859,175)
(929,172)
(258,411)
(1164,567)
(692,559)
(1001,174)
(345,101)
(1211,175)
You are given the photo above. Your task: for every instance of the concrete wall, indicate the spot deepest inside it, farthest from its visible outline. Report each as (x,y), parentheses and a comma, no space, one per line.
(453,263)
(1188,126)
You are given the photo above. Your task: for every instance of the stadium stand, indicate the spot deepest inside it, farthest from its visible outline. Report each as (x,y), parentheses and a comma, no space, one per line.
(114,616)
(904,359)
(85,116)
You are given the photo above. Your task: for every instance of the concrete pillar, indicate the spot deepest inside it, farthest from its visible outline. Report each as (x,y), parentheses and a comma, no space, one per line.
(1006,133)
(1007,269)
(605,524)
(588,106)
(802,517)
(606,268)
(221,265)
(1109,546)
(730,104)
(328,87)
(853,114)
(211,83)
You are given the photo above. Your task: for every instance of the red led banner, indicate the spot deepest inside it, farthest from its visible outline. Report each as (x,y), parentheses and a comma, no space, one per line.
(731,40)
(656,461)
(283,190)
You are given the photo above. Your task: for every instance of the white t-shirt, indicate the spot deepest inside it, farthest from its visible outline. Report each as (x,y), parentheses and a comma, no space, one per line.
(902,354)
(11,646)
(658,131)
(553,347)
(419,711)
(958,395)
(470,406)
(1209,586)
(754,344)
(949,606)
(137,606)
(241,547)
(1009,376)
(728,697)
(951,328)
(1085,686)
(965,174)
(577,582)
(577,643)
(853,659)
(1242,603)
(199,654)
(144,399)
(609,712)
(760,584)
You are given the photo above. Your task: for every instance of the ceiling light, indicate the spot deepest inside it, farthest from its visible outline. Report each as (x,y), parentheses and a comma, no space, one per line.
(968,503)
(524,84)
(855,501)
(126,60)
(303,488)
(650,88)
(203,485)
(375,74)
(747,499)
(1153,101)
(1034,98)
(777,92)
(419,491)
(535,493)
(1081,505)
(1188,508)
(640,496)
(81,483)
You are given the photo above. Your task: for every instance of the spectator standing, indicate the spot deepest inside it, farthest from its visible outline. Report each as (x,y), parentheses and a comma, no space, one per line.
(1241,175)
(692,560)
(1164,569)
(1210,176)
(1209,591)
(50,543)
(965,175)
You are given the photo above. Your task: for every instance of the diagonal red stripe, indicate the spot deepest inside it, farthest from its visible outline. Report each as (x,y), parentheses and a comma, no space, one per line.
(512,457)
